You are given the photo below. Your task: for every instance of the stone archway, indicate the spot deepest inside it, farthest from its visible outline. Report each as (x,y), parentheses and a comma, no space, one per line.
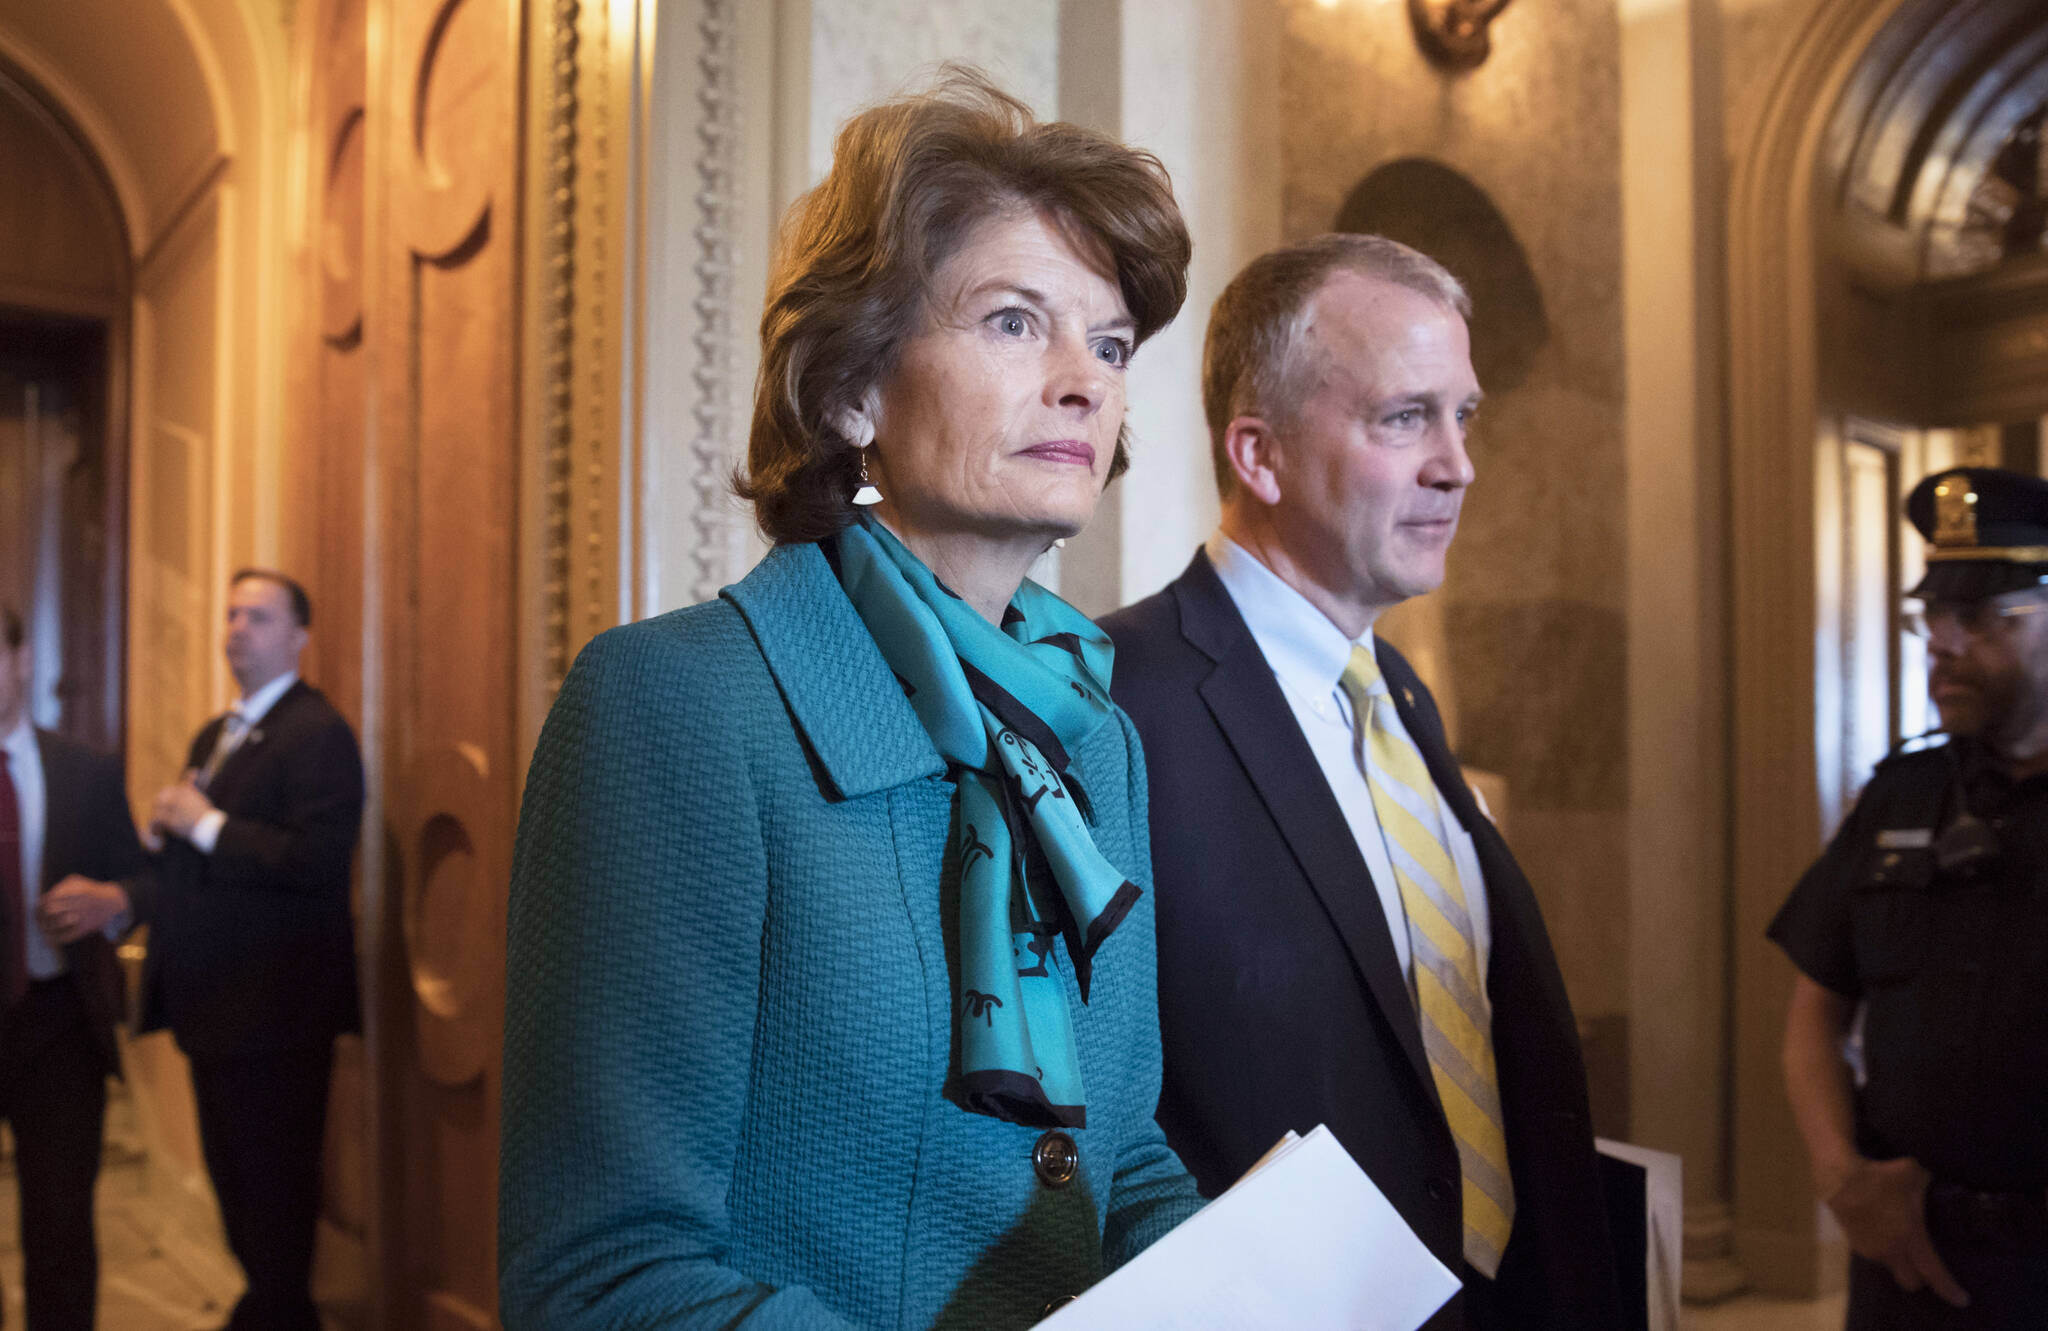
(1859,100)
(176,101)
(65,286)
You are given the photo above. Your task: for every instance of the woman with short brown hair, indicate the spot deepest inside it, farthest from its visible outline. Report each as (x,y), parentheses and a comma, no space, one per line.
(830,974)
(909,180)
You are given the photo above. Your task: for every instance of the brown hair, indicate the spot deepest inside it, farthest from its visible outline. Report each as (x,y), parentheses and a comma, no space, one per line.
(11,635)
(910,178)
(1254,361)
(302,604)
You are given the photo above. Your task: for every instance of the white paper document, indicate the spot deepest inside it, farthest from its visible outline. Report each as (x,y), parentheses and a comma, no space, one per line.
(1663,1223)
(1303,1241)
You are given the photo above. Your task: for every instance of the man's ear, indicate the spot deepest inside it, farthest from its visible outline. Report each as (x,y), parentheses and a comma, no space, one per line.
(1253,448)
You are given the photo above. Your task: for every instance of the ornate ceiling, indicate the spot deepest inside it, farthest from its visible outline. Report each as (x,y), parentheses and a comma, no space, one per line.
(1929,145)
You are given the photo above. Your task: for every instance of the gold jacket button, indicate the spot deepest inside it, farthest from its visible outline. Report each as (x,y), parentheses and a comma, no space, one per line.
(1055,1158)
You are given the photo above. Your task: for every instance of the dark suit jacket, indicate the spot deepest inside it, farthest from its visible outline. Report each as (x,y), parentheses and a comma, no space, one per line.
(1281,1000)
(88,830)
(252,947)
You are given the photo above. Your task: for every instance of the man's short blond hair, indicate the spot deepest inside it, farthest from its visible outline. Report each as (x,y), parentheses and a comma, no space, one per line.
(1256,360)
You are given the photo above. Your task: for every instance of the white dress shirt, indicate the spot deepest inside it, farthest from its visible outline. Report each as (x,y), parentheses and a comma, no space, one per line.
(1308,654)
(250,711)
(25,765)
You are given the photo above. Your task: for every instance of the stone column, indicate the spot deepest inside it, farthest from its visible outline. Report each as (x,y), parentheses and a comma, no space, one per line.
(1194,81)
(1678,873)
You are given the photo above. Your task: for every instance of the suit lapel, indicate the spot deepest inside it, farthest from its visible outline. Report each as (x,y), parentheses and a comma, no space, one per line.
(1245,699)
(1419,716)
(58,793)
(236,764)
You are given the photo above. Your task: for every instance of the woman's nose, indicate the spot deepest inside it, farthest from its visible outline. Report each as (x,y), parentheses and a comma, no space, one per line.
(1078,377)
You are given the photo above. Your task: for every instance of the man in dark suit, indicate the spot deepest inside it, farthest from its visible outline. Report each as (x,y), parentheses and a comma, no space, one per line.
(1343,935)
(66,842)
(252,951)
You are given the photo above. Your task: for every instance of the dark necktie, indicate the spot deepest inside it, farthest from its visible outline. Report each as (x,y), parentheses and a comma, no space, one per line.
(224,745)
(13,912)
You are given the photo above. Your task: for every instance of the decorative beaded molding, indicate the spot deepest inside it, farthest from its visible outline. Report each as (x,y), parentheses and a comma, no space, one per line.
(598,429)
(558,311)
(718,135)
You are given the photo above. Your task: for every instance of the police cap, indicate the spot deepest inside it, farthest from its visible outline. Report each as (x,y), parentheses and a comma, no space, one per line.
(1987,532)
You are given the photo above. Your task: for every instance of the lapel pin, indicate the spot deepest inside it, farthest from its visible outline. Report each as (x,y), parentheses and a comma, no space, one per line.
(1408,696)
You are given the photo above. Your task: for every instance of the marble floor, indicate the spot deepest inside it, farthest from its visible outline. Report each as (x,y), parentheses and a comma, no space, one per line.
(155,1278)
(1750,1313)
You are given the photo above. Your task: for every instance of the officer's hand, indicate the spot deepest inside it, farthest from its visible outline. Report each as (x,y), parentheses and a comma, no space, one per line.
(1883,1209)
(78,906)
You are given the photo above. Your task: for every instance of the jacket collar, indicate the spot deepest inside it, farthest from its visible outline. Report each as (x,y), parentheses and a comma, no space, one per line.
(1208,617)
(846,702)
(1244,698)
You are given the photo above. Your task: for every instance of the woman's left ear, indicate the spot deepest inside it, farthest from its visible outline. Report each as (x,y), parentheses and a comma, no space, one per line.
(857,423)
(857,426)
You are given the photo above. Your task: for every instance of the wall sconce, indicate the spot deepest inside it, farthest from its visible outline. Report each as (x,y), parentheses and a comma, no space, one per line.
(1453,32)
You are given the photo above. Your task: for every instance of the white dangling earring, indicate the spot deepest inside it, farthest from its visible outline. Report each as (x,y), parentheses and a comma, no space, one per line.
(867,494)
(1059,543)
(859,428)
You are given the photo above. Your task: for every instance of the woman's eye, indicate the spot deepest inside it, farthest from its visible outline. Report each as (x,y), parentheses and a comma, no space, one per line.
(1113,351)
(1012,322)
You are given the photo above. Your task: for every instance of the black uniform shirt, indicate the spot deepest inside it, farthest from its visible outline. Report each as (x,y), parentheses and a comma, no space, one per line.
(1952,967)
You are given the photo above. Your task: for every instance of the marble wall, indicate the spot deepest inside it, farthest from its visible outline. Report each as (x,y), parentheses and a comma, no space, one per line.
(1533,615)
(1755,34)
(865,50)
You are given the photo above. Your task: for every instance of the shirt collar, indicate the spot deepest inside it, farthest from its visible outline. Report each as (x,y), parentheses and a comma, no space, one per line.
(1305,649)
(20,742)
(257,705)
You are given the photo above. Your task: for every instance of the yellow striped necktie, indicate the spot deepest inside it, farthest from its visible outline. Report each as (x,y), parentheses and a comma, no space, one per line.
(1444,975)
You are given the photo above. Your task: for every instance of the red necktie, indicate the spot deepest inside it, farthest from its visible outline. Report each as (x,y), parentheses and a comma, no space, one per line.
(13,919)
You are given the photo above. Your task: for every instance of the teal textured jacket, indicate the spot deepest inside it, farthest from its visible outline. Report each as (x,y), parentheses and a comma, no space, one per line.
(729,1009)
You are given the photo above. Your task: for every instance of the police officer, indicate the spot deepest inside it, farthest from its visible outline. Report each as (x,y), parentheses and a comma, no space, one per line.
(1930,909)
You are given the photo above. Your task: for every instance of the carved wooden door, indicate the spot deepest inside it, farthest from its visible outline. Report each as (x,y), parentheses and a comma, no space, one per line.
(406,466)
(448,454)
(324,547)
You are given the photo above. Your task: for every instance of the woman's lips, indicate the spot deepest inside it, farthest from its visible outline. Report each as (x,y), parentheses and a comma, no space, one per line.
(1073,452)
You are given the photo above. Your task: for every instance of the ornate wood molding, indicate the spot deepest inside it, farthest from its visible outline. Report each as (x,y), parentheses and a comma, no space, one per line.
(601,173)
(551,393)
(717,163)
(1986,341)
(574,337)
(599,468)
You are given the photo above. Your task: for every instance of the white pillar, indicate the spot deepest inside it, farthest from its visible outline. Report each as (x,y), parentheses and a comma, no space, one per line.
(1193,81)
(1678,883)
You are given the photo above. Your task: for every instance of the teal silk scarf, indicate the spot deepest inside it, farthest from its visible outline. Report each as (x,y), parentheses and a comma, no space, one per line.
(1004,706)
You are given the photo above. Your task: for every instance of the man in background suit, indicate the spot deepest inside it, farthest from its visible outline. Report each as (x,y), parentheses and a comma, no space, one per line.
(252,951)
(66,841)
(1343,935)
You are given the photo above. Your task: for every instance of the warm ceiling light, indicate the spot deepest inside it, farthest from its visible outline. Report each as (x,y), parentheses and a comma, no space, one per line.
(1453,32)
